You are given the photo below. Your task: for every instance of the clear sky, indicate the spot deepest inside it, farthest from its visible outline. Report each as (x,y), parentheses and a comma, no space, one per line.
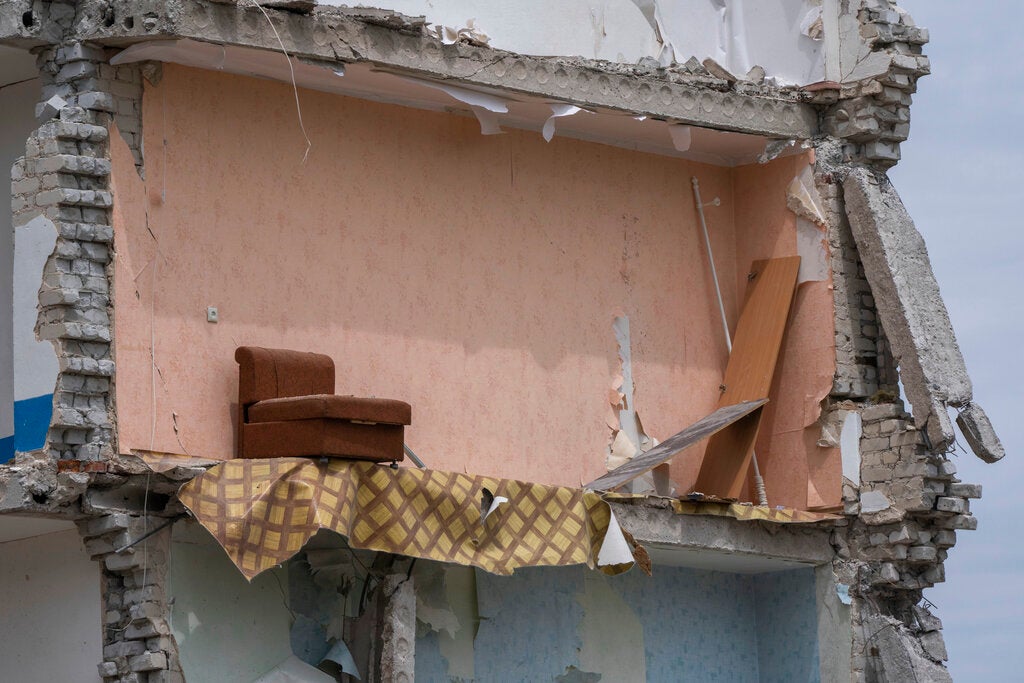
(961,178)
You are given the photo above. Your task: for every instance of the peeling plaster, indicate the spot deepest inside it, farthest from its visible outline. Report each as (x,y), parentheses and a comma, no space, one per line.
(849,446)
(628,438)
(35,361)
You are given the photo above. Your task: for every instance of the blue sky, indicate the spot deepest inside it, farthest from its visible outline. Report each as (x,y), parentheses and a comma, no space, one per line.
(961,179)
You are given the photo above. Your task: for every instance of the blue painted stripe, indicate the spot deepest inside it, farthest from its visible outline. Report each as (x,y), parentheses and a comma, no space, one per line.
(6,448)
(31,422)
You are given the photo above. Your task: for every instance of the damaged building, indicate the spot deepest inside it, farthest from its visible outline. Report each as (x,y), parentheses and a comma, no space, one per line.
(582,341)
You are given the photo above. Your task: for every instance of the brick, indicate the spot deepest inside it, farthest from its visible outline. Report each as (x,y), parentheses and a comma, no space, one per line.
(922,553)
(965,490)
(107,669)
(123,648)
(123,561)
(949,504)
(967,522)
(148,661)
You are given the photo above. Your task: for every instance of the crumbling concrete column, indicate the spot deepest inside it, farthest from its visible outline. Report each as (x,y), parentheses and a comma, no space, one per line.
(137,643)
(398,630)
(912,312)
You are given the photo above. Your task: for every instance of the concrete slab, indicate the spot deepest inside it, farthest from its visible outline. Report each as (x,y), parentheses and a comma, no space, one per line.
(909,304)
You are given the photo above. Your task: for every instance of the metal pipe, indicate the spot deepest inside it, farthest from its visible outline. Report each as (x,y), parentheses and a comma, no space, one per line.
(762,496)
(412,456)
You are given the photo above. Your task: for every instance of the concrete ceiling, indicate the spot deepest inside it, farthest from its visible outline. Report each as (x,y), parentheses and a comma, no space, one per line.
(717,560)
(16,65)
(496,107)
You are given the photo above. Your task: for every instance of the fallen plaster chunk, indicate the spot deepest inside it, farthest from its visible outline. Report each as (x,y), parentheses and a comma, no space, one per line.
(977,429)
(558,110)
(909,305)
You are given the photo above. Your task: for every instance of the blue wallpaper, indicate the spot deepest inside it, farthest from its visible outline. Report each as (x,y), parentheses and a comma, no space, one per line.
(697,626)
(787,624)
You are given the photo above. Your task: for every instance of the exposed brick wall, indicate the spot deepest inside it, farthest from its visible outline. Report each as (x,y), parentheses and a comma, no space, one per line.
(137,643)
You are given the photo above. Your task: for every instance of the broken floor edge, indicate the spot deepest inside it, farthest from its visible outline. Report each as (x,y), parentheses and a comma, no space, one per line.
(334,36)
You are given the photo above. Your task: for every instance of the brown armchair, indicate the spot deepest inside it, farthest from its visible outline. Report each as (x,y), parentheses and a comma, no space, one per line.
(287,408)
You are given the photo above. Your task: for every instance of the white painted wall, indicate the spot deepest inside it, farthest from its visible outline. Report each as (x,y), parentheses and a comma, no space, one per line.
(17,120)
(738,34)
(50,614)
(228,630)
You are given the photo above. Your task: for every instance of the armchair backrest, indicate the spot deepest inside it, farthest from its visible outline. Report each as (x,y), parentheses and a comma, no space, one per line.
(276,373)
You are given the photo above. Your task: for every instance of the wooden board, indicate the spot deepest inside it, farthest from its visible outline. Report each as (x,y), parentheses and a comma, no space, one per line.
(748,376)
(667,449)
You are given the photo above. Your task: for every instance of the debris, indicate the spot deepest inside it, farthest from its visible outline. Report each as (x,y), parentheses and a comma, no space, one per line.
(468,33)
(907,297)
(773,149)
(977,429)
(666,450)
(50,108)
(718,71)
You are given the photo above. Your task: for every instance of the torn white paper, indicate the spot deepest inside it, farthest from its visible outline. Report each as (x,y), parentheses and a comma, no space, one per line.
(496,502)
(449,34)
(615,549)
(849,447)
(294,670)
(558,110)
(483,105)
(488,121)
(843,592)
(681,136)
(340,656)
(811,25)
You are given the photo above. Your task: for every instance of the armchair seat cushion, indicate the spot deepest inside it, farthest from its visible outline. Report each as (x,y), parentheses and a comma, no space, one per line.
(331,406)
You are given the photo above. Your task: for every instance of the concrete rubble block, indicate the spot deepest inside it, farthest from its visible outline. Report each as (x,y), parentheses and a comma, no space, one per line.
(148,661)
(123,648)
(968,522)
(977,429)
(965,490)
(957,506)
(900,655)
(934,646)
(907,295)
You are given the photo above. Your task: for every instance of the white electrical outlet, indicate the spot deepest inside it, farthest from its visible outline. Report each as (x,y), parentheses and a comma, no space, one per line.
(211,314)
